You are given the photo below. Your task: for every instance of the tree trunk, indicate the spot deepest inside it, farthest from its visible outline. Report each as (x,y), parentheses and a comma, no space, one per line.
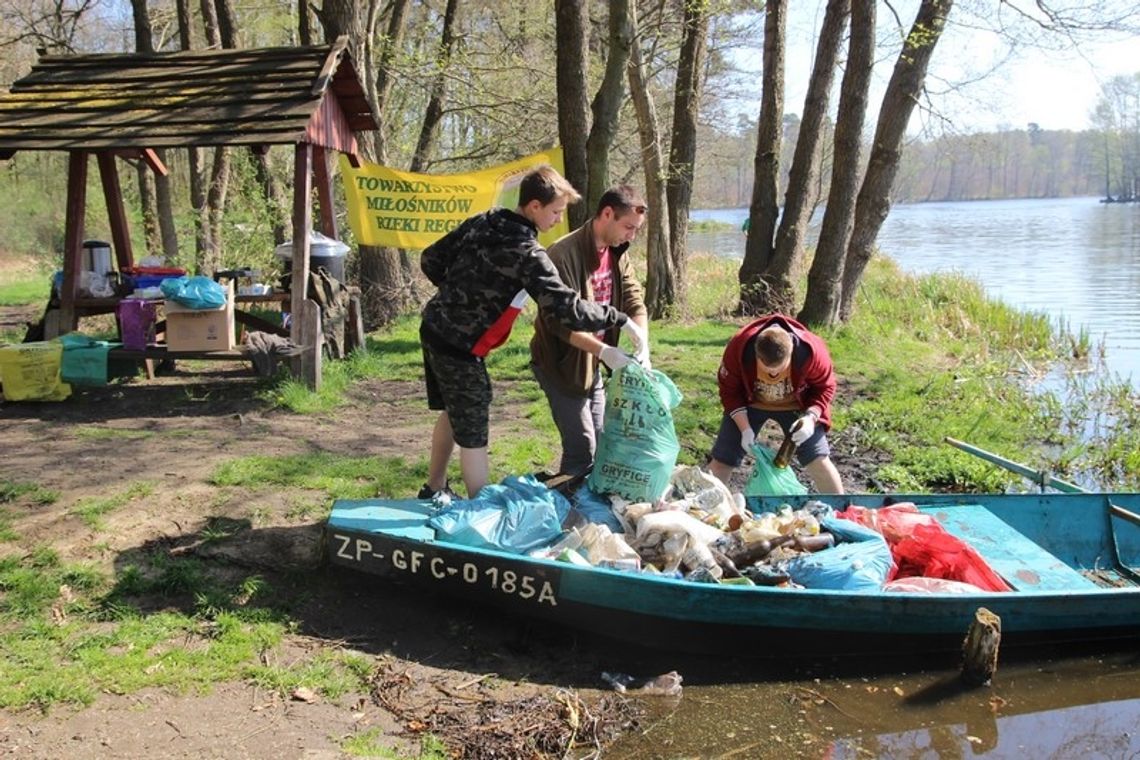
(381,86)
(227,23)
(194,155)
(903,91)
(429,132)
(386,280)
(152,236)
(304,24)
(164,202)
(378,86)
(765,208)
(683,147)
(803,178)
(571,21)
(821,304)
(660,288)
(273,195)
(607,102)
(211,258)
(154,190)
(215,209)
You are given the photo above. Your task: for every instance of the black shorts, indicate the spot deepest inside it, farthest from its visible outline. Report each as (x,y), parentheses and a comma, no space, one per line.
(460,386)
(727,448)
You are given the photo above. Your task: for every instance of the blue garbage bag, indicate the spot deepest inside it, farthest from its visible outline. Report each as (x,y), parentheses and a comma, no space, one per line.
(197,292)
(596,509)
(517,515)
(862,562)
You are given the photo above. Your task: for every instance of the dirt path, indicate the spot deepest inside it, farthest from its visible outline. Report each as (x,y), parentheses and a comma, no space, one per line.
(173,433)
(186,425)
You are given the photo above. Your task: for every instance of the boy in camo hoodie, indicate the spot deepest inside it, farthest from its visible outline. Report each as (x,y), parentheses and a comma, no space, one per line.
(485,270)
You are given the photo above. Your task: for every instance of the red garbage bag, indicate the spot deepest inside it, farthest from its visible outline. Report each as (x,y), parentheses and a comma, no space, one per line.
(929,551)
(922,547)
(894,521)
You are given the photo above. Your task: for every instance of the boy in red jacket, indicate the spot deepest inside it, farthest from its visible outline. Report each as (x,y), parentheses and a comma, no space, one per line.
(775,369)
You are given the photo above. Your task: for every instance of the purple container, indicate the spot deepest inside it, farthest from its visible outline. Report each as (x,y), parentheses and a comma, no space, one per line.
(136,323)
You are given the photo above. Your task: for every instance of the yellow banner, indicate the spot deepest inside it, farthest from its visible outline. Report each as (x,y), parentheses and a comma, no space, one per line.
(387,207)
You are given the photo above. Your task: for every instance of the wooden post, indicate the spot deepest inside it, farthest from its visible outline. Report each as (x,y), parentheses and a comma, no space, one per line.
(117,216)
(323,179)
(980,649)
(302,224)
(72,245)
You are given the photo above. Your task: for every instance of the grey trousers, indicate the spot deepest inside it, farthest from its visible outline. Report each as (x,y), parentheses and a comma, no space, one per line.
(579,421)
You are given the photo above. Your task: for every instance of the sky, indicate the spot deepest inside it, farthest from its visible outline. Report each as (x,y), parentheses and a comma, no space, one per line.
(1056,89)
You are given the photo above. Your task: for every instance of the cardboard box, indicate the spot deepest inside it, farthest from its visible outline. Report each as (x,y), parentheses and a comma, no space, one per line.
(200,329)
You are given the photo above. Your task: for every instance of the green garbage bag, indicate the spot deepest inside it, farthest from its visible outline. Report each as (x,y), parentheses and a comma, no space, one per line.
(768,479)
(638,447)
(85,361)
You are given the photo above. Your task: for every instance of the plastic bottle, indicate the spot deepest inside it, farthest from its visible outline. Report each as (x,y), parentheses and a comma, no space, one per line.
(761,527)
(673,548)
(698,557)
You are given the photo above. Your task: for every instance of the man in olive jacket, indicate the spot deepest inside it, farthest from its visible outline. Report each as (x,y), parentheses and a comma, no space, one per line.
(592,261)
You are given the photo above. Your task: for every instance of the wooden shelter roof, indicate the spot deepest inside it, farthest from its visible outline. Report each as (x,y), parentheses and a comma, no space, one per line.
(264,96)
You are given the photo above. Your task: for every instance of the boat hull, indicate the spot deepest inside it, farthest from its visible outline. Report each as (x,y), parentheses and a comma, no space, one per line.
(391,539)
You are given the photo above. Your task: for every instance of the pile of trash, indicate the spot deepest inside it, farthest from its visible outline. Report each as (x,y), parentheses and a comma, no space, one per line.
(699,532)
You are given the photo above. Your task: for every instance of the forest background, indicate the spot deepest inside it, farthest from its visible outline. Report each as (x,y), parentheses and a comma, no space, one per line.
(652,93)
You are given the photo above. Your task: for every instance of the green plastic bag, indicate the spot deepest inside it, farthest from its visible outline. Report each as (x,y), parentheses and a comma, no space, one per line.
(85,361)
(638,447)
(768,479)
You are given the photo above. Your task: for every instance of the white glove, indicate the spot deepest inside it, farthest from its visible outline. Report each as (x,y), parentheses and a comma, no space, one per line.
(747,439)
(803,428)
(613,357)
(640,339)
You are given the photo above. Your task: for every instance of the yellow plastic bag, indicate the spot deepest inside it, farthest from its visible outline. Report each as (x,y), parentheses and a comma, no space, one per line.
(30,372)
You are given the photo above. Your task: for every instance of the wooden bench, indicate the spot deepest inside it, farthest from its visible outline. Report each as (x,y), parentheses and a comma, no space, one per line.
(1021,562)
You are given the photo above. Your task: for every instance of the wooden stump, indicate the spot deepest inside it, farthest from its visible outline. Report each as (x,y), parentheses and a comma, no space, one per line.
(307,367)
(980,649)
(354,328)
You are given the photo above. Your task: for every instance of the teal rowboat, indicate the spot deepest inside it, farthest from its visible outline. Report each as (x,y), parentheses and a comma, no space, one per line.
(1069,557)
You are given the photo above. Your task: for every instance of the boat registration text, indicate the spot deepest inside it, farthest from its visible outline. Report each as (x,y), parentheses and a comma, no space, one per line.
(419,563)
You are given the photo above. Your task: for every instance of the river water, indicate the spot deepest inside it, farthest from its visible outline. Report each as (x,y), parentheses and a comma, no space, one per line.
(1075,259)
(1078,261)
(1036,707)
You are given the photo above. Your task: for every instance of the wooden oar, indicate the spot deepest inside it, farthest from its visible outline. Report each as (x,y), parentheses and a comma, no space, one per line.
(1042,479)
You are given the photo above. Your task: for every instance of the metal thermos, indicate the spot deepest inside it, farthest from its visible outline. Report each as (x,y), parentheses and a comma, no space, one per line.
(97,257)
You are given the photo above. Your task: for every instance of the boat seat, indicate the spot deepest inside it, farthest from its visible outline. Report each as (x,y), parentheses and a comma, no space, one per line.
(1021,562)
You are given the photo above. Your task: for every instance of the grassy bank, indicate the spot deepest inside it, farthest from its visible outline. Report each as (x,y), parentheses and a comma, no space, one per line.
(923,358)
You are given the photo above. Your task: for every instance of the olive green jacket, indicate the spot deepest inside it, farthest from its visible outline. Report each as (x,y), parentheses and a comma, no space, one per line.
(575,258)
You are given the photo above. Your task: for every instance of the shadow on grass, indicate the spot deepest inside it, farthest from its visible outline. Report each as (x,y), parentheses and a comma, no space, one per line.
(377,616)
(212,392)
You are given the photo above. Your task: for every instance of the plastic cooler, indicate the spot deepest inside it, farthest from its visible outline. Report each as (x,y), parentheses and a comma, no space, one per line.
(137,278)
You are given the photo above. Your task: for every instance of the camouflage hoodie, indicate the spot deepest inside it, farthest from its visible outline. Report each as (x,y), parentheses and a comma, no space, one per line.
(485,268)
